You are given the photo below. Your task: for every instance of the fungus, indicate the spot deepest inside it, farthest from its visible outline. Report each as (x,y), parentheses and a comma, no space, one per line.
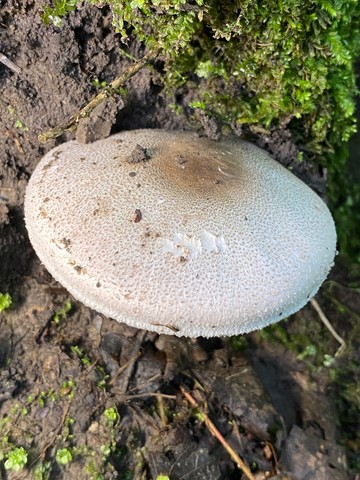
(195,238)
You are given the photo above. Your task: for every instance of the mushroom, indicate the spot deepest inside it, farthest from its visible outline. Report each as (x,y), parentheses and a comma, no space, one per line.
(178,234)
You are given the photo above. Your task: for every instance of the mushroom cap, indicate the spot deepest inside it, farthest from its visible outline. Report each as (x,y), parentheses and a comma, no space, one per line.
(178,234)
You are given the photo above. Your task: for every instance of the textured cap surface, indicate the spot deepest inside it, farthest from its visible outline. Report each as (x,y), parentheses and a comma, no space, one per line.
(179,234)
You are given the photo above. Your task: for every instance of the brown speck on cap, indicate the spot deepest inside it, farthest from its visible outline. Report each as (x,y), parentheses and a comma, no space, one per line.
(138,216)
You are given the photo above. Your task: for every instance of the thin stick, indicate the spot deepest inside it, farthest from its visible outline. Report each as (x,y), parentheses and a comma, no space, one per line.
(122,369)
(9,63)
(145,384)
(149,394)
(214,431)
(71,124)
(161,407)
(328,325)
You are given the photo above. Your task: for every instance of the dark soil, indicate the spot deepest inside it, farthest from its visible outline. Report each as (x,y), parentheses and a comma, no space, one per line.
(109,395)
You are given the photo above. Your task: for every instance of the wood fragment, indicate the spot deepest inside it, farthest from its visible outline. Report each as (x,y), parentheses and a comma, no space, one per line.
(6,61)
(71,124)
(214,431)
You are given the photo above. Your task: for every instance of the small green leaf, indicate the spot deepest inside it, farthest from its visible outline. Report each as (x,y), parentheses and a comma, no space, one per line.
(16,459)
(5,301)
(111,414)
(63,456)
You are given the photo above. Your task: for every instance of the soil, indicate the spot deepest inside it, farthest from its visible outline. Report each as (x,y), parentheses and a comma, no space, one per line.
(90,398)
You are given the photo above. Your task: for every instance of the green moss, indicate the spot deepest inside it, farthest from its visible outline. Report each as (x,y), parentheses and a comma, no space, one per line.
(314,350)
(285,60)
(280,60)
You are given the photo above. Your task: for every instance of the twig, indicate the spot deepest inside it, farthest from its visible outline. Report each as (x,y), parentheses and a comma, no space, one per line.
(9,63)
(328,325)
(214,431)
(145,384)
(71,124)
(122,369)
(149,394)
(163,417)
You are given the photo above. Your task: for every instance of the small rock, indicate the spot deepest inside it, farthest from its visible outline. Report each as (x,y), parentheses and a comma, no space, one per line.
(306,458)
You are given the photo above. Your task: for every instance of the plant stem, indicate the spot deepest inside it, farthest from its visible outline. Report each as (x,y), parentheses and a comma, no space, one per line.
(328,325)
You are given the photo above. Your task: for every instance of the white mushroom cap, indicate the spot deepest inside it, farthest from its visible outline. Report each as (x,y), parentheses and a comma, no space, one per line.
(178,234)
